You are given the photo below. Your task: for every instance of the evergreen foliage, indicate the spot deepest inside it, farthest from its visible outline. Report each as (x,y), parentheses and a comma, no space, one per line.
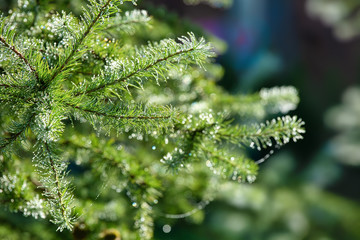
(344,119)
(102,131)
(341,15)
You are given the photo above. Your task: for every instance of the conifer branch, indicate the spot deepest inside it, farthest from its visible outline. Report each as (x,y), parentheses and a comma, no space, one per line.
(152,61)
(57,192)
(258,105)
(146,126)
(141,192)
(16,191)
(236,168)
(20,55)
(141,117)
(56,179)
(48,128)
(4,85)
(212,154)
(125,78)
(281,130)
(79,42)
(4,142)
(123,116)
(183,152)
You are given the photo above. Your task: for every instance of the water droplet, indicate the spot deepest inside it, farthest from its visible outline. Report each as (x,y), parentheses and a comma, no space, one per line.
(251,178)
(134,204)
(153,147)
(208,164)
(166,228)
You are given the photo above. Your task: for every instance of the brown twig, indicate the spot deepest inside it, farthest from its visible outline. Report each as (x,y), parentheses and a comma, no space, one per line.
(20,55)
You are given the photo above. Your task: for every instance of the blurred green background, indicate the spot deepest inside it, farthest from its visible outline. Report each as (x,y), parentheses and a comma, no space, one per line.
(307,190)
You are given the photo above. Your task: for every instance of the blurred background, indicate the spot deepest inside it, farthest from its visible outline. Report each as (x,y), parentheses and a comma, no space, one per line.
(307,190)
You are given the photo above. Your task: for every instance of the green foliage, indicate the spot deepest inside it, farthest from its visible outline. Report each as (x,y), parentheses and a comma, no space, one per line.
(93,127)
(345,119)
(276,208)
(341,15)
